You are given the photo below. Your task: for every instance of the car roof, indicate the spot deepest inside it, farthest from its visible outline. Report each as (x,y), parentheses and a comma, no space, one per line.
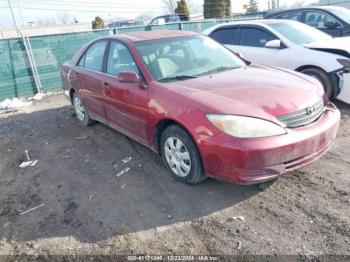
(154,35)
(315,7)
(258,22)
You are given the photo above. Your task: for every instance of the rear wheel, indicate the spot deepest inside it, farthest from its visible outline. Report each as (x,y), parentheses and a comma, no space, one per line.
(180,155)
(321,76)
(80,111)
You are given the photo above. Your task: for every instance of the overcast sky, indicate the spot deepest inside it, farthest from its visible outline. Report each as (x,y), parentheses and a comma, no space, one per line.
(86,10)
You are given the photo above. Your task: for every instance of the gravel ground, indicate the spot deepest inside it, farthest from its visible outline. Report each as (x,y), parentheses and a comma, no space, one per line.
(84,205)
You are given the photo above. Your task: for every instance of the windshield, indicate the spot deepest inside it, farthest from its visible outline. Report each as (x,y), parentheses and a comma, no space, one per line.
(342,13)
(299,33)
(178,59)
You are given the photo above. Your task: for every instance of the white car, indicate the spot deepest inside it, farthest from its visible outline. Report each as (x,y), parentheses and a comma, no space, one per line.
(291,45)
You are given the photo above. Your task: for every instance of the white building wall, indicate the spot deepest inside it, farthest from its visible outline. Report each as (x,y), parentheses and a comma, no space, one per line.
(342,3)
(49,30)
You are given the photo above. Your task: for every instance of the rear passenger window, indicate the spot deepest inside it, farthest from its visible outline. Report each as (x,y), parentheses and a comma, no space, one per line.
(255,37)
(224,36)
(296,16)
(94,56)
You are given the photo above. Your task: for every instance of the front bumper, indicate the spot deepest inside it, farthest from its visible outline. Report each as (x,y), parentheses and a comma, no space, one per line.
(252,161)
(344,82)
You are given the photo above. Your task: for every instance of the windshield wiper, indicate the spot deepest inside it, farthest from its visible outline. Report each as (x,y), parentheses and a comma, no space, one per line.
(219,69)
(179,77)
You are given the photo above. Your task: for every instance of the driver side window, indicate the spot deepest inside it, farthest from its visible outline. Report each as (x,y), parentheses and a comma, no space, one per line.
(120,60)
(318,19)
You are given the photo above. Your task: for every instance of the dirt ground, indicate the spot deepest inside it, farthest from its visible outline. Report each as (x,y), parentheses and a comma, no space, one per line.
(84,207)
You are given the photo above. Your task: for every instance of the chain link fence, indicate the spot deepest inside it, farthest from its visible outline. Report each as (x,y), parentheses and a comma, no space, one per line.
(51,51)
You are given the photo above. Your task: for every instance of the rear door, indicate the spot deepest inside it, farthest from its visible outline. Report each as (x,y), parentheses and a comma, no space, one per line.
(89,72)
(227,36)
(126,104)
(252,42)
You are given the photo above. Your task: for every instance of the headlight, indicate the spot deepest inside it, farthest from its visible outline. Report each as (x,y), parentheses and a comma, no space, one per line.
(345,63)
(245,127)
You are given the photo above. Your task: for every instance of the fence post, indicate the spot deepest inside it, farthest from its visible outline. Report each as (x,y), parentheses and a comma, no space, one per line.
(28,47)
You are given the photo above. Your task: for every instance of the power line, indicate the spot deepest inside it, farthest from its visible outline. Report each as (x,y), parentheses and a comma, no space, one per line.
(84,3)
(79,10)
(88,7)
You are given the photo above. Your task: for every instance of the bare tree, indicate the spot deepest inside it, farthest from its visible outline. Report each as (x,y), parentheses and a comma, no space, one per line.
(64,18)
(194,6)
(298,3)
(46,22)
(169,5)
(146,16)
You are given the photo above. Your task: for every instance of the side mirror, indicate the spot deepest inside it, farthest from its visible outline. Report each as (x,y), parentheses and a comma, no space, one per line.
(129,77)
(331,24)
(275,44)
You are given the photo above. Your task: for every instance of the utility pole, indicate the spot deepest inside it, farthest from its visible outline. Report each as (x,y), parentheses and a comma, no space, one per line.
(274,5)
(27,46)
(13,18)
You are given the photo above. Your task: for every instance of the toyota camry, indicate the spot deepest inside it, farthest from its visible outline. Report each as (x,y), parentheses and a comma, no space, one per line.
(207,112)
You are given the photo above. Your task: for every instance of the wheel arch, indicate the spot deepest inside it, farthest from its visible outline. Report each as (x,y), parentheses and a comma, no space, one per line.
(162,125)
(331,75)
(301,68)
(71,94)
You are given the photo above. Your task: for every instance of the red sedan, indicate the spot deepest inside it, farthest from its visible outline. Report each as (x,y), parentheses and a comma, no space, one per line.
(207,112)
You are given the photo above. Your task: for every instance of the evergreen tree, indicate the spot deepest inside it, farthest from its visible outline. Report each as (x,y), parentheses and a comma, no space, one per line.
(98,23)
(217,8)
(228,8)
(182,8)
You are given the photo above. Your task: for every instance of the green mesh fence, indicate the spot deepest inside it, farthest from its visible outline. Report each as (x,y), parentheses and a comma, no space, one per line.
(15,74)
(50,52)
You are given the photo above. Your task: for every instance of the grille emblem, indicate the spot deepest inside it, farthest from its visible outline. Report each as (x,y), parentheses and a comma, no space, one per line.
(310,110)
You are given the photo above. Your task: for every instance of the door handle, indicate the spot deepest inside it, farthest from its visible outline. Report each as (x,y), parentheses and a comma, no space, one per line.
(107,89)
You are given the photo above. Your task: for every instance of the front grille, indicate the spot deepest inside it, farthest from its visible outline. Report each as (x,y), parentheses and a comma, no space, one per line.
(304,116)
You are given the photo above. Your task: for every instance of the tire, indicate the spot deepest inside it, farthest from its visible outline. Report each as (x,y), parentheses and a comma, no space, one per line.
(81,113)
(321,76)
(180,155)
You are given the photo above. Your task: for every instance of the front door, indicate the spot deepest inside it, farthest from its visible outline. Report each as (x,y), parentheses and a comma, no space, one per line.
(125,103)
(252,42)
(320,20)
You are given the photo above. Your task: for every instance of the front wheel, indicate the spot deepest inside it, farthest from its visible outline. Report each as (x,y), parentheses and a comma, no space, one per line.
(80,111)
(321,76)
(180,155)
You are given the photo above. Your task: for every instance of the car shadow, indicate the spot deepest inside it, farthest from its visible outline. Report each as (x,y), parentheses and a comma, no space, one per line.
(92,183)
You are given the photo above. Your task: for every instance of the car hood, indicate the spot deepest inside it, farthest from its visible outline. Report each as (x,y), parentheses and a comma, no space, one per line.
(339,46)
(257,91)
